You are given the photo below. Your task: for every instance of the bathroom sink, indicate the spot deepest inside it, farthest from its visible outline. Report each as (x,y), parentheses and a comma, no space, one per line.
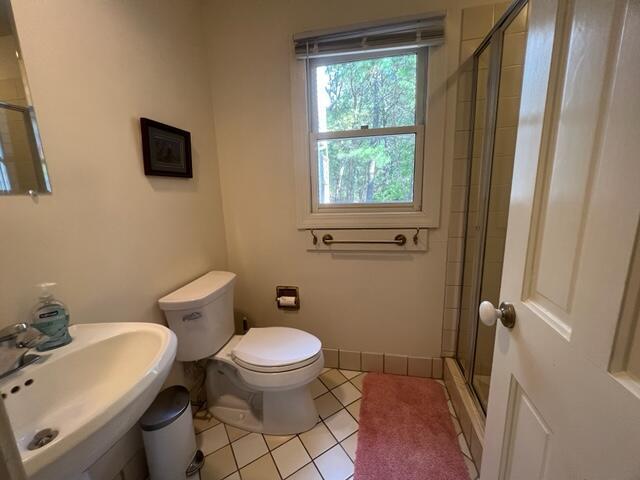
(90,392)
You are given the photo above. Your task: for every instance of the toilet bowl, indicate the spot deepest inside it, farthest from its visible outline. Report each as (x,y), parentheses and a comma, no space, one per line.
(258,381)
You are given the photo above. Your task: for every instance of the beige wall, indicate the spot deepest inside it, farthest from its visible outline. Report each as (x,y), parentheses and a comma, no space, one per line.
(112,238)
(374,302)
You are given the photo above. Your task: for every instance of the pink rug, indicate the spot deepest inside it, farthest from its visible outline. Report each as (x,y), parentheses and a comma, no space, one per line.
(406,431)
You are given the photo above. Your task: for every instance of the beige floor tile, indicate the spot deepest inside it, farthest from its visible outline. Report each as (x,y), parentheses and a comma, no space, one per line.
(248,448)
(341,424)
(349,374)
(308,472)
(357,381)
(333,378)
(211,440)
(218,465)
(334,464)
(235,433)
(261,469)
(464,448)
(233,476)
(451,409)
(350,444)
(347,393)
(203,421)
(290,457)
(317,440)
(354,409)
(473,472)
(327,405)
(274,441)
(456,425)
(317,388)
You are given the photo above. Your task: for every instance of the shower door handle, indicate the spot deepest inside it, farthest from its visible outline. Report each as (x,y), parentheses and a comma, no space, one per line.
(490,314)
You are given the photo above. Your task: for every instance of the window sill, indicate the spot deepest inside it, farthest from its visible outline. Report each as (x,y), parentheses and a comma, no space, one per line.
(419,219)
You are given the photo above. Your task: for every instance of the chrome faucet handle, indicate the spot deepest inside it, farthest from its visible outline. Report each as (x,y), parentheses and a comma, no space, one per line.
(12,331)
(31,338)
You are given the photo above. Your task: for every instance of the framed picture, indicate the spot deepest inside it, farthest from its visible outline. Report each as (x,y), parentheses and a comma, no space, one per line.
(166,150)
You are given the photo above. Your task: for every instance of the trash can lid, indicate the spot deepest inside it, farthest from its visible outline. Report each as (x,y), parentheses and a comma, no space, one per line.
(167,407)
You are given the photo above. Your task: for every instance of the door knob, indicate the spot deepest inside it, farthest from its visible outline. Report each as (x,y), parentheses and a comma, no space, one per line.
(490,314)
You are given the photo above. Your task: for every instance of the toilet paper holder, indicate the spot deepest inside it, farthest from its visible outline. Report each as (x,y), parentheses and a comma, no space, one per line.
(287,298)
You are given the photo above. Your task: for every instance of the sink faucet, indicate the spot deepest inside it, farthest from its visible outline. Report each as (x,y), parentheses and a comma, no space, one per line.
(15,342)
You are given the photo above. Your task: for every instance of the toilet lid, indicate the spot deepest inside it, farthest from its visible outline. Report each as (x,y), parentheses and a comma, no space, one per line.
(276,346)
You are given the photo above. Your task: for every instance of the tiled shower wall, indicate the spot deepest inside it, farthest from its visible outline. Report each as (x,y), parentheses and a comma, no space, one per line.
(476,23)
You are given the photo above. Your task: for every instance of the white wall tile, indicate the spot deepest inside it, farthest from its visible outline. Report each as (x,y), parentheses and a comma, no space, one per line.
(449,338)
(419,367)
(372,362)
(331,359)
(349,360)
(396,364)
(437,368)
(450,319)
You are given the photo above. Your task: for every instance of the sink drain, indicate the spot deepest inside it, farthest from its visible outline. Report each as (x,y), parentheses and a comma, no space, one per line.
(41,438)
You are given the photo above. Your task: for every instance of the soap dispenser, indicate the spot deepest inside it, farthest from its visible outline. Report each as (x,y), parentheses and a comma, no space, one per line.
(51,318)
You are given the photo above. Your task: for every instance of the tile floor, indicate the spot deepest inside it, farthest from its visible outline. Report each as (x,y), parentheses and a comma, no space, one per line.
(326,452)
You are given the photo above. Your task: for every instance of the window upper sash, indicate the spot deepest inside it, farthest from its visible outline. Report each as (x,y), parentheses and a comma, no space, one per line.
(399,34)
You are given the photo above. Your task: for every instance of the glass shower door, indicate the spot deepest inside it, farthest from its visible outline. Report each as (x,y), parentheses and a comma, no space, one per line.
(496,98)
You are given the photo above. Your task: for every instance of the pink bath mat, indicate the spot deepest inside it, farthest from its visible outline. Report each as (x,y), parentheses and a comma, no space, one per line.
(406,431)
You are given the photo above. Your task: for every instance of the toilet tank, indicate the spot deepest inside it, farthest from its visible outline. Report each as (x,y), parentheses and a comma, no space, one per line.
(201,315)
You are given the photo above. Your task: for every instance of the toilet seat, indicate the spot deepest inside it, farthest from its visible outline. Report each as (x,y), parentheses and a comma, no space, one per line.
(276,349)
(262,378)
(281,368)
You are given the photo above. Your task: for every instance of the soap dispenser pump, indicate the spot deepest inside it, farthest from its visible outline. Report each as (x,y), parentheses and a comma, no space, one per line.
(51,318)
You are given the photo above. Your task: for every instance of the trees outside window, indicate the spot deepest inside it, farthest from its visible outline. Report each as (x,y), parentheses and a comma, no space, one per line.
(366,119)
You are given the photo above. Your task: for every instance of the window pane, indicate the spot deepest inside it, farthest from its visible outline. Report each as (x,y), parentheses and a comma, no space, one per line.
(374,170)
(379,93)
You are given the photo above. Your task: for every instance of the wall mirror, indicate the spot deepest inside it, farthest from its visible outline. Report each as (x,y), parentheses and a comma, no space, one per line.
(22,165)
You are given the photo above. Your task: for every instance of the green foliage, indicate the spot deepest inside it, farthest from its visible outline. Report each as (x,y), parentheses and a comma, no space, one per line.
(378,93)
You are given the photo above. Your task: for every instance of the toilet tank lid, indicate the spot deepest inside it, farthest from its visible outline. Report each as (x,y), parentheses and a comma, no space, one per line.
(198,293)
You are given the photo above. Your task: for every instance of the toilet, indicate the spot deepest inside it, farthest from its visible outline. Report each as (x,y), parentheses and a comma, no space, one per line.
(258,381)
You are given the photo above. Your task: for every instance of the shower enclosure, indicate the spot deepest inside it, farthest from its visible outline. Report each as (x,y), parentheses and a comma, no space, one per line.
(495,102)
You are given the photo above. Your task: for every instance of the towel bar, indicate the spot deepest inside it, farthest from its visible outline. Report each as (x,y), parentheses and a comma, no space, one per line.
(399,240)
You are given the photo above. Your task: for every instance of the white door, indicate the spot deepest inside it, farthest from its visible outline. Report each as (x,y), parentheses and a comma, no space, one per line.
(565,396)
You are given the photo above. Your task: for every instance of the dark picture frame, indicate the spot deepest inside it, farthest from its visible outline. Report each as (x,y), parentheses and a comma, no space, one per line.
(166,150)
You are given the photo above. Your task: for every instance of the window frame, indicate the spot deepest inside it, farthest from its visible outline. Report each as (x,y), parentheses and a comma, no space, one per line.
(416,129)
(424,211)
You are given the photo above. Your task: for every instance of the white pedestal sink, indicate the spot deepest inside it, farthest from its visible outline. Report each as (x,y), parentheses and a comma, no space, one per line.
(91,392)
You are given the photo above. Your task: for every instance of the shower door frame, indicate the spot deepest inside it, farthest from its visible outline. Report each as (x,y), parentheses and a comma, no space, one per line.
(494,41)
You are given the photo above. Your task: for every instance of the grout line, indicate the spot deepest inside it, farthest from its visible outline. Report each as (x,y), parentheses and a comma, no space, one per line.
(262,456)
(233,454)
(309,453)
(273,459)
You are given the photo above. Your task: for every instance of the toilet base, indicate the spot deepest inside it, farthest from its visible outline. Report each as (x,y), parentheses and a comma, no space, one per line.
(280,412)
(283,413)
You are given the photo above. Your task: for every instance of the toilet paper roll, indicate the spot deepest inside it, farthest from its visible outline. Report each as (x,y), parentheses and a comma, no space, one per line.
(287,301)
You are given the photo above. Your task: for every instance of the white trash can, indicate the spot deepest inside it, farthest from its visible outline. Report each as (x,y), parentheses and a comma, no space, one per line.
(169,438)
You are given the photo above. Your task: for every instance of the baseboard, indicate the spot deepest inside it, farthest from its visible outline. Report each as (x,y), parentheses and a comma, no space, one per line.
(413,366)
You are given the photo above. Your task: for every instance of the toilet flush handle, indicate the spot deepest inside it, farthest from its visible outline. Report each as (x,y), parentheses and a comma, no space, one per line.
(192,316)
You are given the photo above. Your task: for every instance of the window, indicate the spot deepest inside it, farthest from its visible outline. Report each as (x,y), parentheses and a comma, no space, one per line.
(5,181)
(367,125)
